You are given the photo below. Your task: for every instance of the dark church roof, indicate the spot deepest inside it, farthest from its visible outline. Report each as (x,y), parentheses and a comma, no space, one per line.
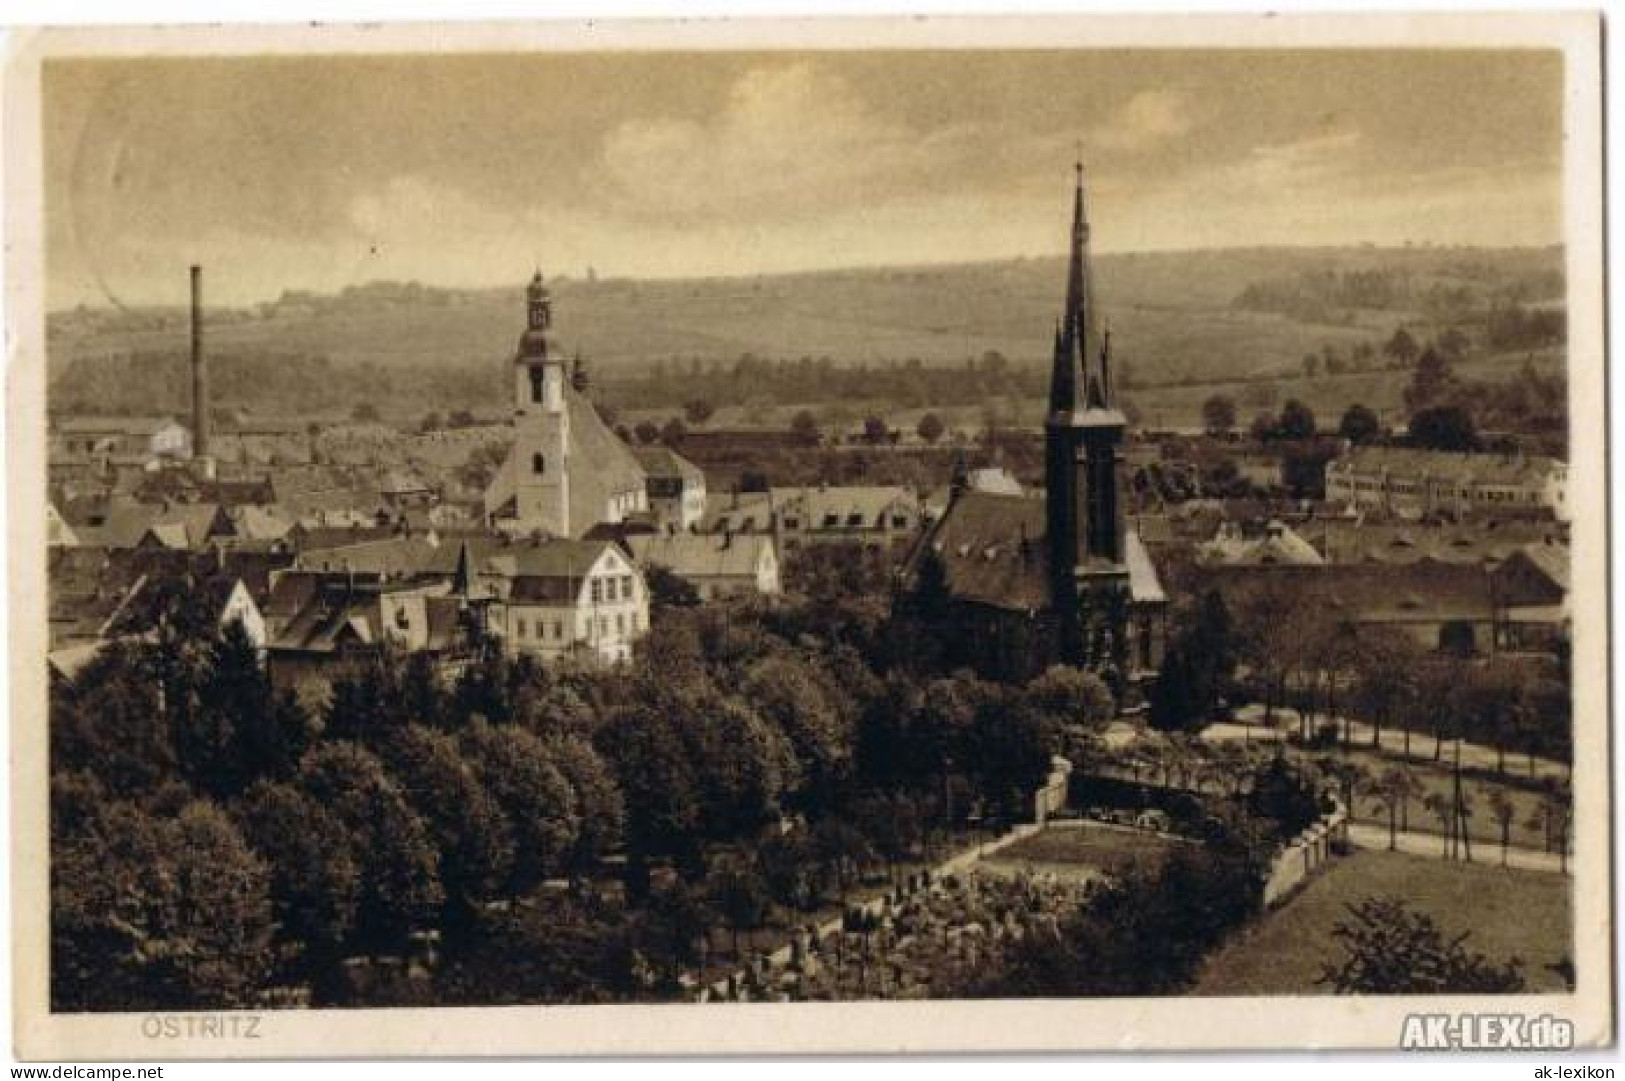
(993,552)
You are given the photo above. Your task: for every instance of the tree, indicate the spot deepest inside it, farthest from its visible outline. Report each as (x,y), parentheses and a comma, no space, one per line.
(1433,383)
(1264,428)
(875,429)
(599,802)
(1359,424)
(1503,810)
(673,431)
(1391,949)
(315,884)
(796,697)
(1211,647)
(401,890)
(159,913)
(740,895)
(1445,427)
(1072,696)
(471,833)
(1444,809)
(1395,788)
(659,782)
(114,721)
(1173,697)
(431,422)
(1554,815)
(668,589)
(1297,421)
(805,426)
(698,410)
(1453,343)
(240,729)
(1401,347)
(1219,414)
(930,428)
(539,803)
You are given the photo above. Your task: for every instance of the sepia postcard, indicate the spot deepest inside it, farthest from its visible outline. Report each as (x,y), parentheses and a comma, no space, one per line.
(808,536)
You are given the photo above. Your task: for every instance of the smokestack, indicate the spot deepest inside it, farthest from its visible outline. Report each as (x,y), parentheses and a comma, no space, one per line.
(200,372)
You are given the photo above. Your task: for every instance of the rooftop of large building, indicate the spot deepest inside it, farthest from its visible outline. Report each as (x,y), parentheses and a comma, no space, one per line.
(992,550)
(1479,468)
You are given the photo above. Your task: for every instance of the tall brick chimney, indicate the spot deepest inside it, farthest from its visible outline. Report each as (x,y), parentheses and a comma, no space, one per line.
(200,372)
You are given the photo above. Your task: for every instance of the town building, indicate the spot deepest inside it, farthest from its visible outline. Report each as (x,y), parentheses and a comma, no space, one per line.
(676,488)
(1530,592)
(563,600)
(125,438)
(719,566)
(1014,585)
(1252,544)
(1411,483)
(567,471)
(877,517)
(323,626)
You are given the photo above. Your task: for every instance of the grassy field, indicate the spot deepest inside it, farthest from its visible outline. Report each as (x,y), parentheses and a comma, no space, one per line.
(1509,913)
(1063,850)
(1171,315)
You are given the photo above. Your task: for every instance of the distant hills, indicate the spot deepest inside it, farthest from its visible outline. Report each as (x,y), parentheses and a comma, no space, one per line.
(1176,317)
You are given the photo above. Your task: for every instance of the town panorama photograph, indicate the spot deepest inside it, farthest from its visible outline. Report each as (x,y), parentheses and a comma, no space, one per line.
(791,526)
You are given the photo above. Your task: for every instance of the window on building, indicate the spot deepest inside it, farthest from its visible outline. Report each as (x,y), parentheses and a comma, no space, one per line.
(597,589)
(558,629)
(536,379)
(538,463)
(620,623)
(519,629)
(626,587)
(899,521)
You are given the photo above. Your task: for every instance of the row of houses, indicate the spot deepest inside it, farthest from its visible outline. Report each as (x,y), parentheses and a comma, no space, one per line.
(235,437)
(1411,483)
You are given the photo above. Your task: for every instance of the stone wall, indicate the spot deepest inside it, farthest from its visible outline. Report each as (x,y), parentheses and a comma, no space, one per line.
(1304,855)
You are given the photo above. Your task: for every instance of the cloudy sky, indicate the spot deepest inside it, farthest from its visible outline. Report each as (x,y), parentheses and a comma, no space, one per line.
(469,170)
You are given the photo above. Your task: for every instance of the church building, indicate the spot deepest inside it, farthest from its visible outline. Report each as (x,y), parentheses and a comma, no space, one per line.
(567,471)
(1014,584)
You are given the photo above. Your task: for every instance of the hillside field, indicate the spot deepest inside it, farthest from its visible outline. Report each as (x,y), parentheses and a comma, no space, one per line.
(1173,318)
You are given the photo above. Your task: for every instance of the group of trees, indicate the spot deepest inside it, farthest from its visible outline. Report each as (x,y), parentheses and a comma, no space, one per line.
(909,382)
(401,810)
(212,838)
(1145,933)
(1270,647)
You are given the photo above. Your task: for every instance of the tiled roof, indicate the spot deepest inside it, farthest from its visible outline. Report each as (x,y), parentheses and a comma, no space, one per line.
(1489,469)
(701,555)
(843,506)
(993,552)
(1258,543)
(1389,543)
(157,596)
(665,462)
(390,557)
(83,425)
(1423,591)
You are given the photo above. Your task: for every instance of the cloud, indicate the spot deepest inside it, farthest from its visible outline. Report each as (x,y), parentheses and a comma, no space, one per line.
(1149,119)
(790,140)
